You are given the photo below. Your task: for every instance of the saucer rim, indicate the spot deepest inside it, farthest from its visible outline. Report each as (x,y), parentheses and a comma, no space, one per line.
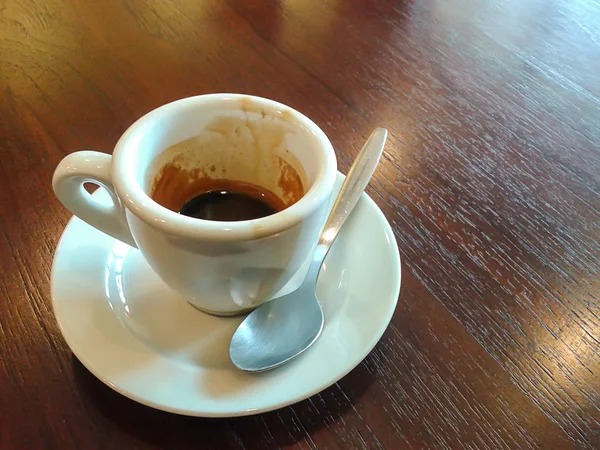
(293,399)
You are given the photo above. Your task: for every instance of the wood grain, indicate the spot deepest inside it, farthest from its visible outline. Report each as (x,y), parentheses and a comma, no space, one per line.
(491,181)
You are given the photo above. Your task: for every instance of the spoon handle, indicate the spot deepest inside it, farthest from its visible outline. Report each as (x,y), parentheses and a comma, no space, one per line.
(356,181)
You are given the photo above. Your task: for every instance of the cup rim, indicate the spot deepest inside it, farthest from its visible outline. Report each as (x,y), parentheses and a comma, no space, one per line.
(138,202)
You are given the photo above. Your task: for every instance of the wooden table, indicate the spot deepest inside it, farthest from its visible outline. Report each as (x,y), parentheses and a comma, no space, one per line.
(490,179)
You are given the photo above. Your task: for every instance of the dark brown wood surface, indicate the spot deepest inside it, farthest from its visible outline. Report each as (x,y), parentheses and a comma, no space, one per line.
(490,179)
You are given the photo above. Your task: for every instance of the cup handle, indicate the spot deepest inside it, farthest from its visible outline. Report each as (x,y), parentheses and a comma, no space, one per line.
(91,167)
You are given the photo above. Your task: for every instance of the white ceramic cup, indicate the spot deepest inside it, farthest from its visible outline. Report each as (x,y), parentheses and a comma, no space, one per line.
(222,268)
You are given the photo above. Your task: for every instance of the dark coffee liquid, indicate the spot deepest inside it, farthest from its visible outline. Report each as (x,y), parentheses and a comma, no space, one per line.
(226,206)
(247,202)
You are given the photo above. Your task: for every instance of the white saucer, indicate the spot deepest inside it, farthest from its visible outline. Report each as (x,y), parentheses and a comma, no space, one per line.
(138,337)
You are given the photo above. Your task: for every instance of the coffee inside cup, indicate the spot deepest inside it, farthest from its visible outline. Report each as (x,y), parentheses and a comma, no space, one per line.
(237,168)
(232,201)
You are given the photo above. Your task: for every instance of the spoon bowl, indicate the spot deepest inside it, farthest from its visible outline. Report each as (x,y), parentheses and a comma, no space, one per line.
(260,341)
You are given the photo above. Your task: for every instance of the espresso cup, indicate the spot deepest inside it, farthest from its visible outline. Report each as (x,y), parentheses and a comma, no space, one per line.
(220,267)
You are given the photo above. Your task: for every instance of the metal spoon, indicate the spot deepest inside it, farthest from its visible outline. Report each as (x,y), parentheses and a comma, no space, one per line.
(281,329)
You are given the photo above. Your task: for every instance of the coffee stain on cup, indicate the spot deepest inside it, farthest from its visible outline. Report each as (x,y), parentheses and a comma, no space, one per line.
(247,149)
